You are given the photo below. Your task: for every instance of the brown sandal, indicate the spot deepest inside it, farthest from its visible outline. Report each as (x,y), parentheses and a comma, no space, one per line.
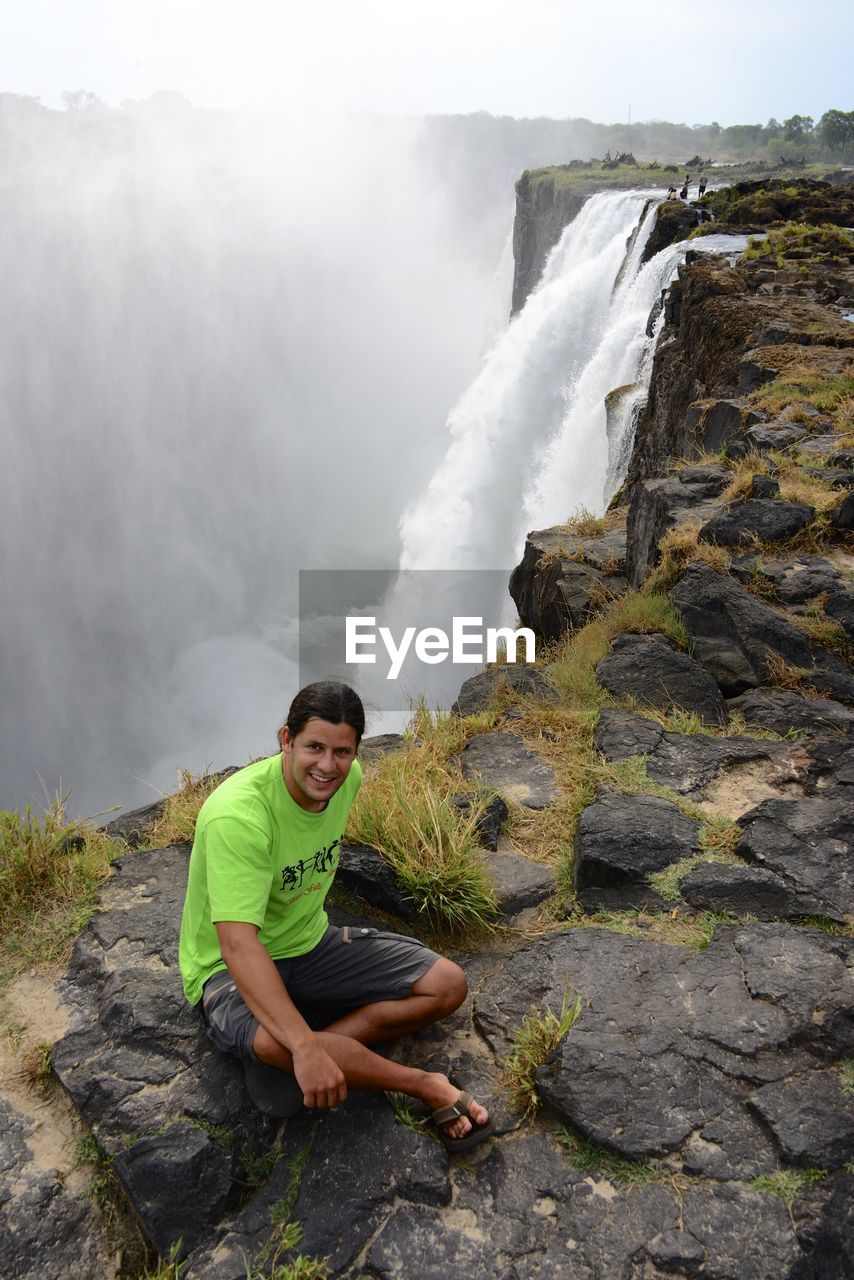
(478,1132)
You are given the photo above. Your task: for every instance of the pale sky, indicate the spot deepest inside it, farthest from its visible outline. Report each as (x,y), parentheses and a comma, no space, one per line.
(690,61)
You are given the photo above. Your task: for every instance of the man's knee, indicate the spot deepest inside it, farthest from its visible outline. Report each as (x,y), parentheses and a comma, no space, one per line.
(446,983)
(268,1050)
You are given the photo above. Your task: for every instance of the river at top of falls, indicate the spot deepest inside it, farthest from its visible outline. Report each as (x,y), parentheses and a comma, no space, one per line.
(529,441)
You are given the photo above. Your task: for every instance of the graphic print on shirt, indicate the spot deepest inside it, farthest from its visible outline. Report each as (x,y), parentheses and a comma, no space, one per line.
(323,862)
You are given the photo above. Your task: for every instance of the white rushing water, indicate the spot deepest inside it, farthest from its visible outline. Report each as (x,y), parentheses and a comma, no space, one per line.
(529,439)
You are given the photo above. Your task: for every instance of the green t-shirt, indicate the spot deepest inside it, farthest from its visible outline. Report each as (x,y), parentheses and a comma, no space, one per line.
(260,859)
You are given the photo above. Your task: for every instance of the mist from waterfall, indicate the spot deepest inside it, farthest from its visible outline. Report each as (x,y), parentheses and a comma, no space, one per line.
(226,341)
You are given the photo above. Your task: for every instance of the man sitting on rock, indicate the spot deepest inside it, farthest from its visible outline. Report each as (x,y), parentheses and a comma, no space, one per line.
(278,986)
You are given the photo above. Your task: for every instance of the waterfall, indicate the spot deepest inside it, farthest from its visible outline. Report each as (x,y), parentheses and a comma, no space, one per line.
(529,440)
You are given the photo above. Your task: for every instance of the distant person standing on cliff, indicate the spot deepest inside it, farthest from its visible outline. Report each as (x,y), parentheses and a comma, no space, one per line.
(701,190)
(295,998)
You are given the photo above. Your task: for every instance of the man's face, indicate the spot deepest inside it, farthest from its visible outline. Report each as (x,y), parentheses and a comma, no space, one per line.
(316,762)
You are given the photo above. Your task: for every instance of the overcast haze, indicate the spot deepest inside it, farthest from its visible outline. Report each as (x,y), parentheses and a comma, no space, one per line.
(677,60)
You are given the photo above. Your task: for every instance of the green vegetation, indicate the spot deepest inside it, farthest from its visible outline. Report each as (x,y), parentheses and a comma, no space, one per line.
(257,1166)
(533,1044)
(121,1229)
(588,1158)
(176,823)
(848,1074)
(404,810)
(786,1183)
(50,869)
(796,240)
(404,1114)
(273,1263)
(832,393)
(221,1134)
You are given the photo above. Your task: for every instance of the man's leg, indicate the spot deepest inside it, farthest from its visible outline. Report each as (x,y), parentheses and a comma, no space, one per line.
(364,1069)
(435,995)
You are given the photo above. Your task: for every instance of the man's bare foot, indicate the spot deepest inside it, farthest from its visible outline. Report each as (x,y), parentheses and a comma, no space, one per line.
(439,1092)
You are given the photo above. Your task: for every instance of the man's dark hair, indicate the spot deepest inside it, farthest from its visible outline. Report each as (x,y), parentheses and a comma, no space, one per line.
(328,700)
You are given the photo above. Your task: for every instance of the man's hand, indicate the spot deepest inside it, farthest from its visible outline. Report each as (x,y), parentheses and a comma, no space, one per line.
(321,1080)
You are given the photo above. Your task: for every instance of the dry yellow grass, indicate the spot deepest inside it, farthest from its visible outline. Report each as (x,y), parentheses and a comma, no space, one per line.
(678,548)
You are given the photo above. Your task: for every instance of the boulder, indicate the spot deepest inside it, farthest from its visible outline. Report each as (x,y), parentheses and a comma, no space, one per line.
(691,763)
(519,883)
(502,762)
(783,711)
(764,487)
(794,579)
(842,515)
(767,519)
(650,669)
(563,577)
(840,607)
(364,871)
(733,635)
(736,890)
(479,692)
(670,1040)
(809,843)
(689,496)
(490,822)
(811,1117)
(620,841)
(761,439)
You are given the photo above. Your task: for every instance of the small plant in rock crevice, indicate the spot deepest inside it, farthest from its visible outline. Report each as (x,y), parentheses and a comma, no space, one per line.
(534,1041)
(786,1183)
(585,1156)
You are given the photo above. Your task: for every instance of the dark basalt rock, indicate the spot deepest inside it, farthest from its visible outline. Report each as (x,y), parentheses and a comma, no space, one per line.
(688,762)
(364,871)
(823,1214)
(519,883)
(781,711)
(490,822)
(810,843)
(479,691)
(811,1118)
(740,891)
(842,515)
(840,607)
(794,579)
(712,425)
(562,576)
(651,669)
(733,633)
(503,762)
(183,1157)
(373,749)
(762,439)
(670,1040)
(620,841)
(658,505)
(764,487)
(767,519)
(45,1226)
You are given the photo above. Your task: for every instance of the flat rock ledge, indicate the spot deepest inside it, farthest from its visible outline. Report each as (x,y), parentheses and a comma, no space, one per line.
(722,1064)
(503,762)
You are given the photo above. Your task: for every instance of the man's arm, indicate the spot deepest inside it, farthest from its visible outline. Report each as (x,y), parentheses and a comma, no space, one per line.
(258,981)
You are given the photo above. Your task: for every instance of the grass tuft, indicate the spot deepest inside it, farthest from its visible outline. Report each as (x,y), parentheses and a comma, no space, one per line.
(404,810)
(534,1041)
(50,869)
(588,1158)
(678,548)
(786,1183)
(176,824)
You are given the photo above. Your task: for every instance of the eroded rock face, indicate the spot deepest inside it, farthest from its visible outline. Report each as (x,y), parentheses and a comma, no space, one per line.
(733,634)
(502,761)
(652,670)
(689,496)
(620,841)
(809,843)
(670,1041)
(563,577)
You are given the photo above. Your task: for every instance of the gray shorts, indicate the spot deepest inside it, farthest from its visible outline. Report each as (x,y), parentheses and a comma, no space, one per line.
(348,968)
